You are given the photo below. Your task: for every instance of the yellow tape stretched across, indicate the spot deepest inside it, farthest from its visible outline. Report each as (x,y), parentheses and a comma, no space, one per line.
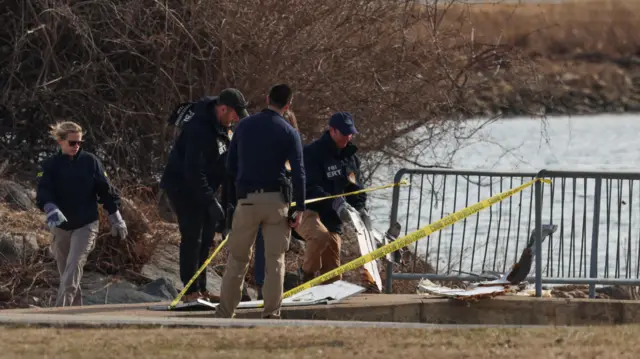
(206,263)
(411,237)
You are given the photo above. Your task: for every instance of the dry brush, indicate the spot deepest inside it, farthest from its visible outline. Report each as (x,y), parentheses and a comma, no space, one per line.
(119,66)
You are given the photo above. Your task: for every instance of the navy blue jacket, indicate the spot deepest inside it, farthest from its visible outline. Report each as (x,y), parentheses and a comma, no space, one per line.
(261,145)
(328,171)
(196,163)
(76,185)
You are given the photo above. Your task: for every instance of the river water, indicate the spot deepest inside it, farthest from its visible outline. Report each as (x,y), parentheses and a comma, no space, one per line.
(494,238)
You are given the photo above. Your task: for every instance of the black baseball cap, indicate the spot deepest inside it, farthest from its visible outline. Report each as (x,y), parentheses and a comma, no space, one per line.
(343,122)
(234,99)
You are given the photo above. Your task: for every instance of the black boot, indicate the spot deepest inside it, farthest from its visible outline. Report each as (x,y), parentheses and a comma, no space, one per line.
(259,290)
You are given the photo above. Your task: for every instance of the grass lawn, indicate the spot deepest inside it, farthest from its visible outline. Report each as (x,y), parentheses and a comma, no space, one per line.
(594,342)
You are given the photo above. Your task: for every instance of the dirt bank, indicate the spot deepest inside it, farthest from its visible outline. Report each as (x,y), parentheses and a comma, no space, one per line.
(585,56)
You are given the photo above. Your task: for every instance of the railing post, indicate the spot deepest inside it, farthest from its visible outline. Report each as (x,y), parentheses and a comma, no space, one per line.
(593,270)
(394,218)
(538,229)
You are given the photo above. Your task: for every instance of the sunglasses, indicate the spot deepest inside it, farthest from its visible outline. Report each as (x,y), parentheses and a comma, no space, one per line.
(73,143)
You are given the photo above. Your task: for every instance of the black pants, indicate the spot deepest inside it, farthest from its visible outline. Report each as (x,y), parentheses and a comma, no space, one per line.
(197,231)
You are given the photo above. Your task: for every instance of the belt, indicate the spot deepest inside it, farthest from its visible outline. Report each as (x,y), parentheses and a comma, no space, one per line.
(243,191)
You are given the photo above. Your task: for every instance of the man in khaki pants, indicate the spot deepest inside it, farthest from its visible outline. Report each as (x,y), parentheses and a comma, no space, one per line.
(260,146)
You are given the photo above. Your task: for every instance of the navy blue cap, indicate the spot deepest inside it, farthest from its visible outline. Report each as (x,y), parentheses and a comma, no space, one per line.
(343,122)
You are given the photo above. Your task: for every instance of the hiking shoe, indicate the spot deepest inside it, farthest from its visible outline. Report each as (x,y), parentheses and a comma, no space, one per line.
(304,277)
(259,290)
(191,297)
(210,297)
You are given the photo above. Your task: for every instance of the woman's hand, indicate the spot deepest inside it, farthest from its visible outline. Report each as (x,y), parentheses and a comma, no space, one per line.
(118,227)
(54,215)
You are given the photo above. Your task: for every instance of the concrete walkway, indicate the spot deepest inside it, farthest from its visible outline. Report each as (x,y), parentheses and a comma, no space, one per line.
(411,311)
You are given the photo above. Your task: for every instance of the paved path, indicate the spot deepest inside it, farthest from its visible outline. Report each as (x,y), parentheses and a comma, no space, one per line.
(360,311)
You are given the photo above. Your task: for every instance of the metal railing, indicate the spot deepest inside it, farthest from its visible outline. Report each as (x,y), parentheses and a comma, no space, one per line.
(491,240)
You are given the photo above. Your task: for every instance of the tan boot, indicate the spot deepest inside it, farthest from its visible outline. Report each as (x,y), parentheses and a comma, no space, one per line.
(191,297)
(210,297)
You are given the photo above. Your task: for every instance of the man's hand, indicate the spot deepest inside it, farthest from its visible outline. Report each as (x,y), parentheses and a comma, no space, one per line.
(295,219)
(216,212)
(118,227)
(54,216)
(341,207)
(229,217)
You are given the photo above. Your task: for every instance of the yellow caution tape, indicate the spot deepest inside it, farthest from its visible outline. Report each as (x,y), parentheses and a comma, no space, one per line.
(206,263)
(352,193)
(202,267)
(411,237)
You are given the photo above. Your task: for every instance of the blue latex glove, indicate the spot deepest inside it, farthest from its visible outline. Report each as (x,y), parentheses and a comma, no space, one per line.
(54,215)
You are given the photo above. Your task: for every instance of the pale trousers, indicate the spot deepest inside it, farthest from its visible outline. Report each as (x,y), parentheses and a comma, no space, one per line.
(70,250)
(269,210)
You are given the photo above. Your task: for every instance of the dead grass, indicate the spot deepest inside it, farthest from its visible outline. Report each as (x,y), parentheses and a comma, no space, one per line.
(609,27)
(596,342)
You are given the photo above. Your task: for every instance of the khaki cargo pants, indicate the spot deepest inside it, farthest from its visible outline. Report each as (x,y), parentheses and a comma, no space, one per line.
(70,250)
(269,210)
(322,249)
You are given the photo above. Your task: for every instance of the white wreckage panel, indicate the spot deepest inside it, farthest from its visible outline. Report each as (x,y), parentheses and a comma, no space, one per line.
(367,244)
(427,287)
(320,294)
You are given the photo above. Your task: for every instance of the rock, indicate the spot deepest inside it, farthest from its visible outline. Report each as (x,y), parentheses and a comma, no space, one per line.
(620,292)
(165,263)
(17,247)
(17,196)
(160,287)
(296,246)
(100,289)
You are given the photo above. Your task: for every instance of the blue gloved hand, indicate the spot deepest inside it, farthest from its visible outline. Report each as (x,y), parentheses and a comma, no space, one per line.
(118,227)
(341,207)
(54,215)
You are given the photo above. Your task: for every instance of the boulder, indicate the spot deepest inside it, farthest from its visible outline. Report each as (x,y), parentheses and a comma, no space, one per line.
(99,289)
(17,196)
(165,263)
(18,247)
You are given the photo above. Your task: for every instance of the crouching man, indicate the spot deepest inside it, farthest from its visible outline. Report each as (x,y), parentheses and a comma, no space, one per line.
(332,167)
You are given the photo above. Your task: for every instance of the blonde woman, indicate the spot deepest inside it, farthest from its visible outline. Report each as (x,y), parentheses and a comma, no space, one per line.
(72,183)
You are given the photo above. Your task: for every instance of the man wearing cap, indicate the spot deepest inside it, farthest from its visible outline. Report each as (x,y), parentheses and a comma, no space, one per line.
(332,168)
(261,145)
(194,172)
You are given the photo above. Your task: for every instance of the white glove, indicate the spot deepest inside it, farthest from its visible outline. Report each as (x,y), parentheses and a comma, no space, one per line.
(118,227)
(54,215)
